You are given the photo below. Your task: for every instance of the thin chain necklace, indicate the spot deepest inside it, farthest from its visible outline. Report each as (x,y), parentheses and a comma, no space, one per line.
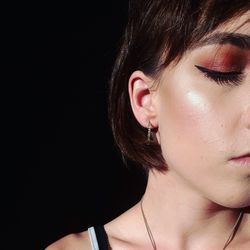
(230,238)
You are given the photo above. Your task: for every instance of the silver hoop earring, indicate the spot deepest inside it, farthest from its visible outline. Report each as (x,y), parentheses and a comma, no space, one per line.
(149,133)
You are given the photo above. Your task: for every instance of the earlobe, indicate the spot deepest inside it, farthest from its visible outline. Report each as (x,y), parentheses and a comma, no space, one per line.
(141,98)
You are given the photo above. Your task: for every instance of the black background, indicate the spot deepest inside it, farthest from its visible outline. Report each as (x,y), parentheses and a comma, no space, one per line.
(70,175)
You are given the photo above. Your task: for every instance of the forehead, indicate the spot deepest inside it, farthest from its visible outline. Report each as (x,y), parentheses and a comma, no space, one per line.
(235,32)
(237,25)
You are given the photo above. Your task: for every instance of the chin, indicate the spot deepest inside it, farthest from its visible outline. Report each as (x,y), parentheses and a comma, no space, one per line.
(236,201)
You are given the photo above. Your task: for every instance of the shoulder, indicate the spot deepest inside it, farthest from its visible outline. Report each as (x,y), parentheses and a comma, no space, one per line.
(124,231)
(72,242)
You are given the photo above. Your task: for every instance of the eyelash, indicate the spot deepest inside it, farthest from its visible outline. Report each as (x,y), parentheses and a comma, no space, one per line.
(232,78)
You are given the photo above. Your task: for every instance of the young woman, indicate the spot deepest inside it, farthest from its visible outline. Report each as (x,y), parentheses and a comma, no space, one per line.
(180,107)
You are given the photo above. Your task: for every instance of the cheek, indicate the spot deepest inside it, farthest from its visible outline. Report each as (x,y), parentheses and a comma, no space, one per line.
(191,110)
(190,124)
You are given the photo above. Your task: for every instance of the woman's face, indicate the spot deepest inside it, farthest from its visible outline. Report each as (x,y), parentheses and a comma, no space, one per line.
(203,114)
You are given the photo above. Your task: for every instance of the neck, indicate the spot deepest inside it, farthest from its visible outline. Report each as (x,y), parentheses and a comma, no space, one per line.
(177,212)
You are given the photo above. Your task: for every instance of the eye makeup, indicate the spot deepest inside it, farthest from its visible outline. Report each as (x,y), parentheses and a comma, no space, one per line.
(228,78)
(225,65)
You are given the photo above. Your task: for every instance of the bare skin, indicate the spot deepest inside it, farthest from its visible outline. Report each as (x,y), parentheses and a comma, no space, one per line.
(202,124)
(123,236)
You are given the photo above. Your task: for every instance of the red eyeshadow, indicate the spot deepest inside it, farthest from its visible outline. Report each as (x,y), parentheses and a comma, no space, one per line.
(226,58)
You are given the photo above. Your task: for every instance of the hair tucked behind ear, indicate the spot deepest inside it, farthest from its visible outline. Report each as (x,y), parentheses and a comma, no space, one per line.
(158,32)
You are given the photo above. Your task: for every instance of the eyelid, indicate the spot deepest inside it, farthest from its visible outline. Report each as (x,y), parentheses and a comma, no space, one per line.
(228,78)
(206,70)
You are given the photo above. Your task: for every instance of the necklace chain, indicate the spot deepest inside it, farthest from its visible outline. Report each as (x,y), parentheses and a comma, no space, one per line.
(229,239)
(147,227)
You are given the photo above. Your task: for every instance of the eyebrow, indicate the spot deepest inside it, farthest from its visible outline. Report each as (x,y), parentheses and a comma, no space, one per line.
(237,39)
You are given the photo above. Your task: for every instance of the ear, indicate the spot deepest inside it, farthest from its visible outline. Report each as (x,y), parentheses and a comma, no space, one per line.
(142,99)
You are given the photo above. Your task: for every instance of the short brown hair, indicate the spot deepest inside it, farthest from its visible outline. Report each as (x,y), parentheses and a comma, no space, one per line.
(156,28)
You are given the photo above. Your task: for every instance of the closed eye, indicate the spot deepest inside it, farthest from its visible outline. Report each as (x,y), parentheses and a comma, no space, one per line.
(228,78)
